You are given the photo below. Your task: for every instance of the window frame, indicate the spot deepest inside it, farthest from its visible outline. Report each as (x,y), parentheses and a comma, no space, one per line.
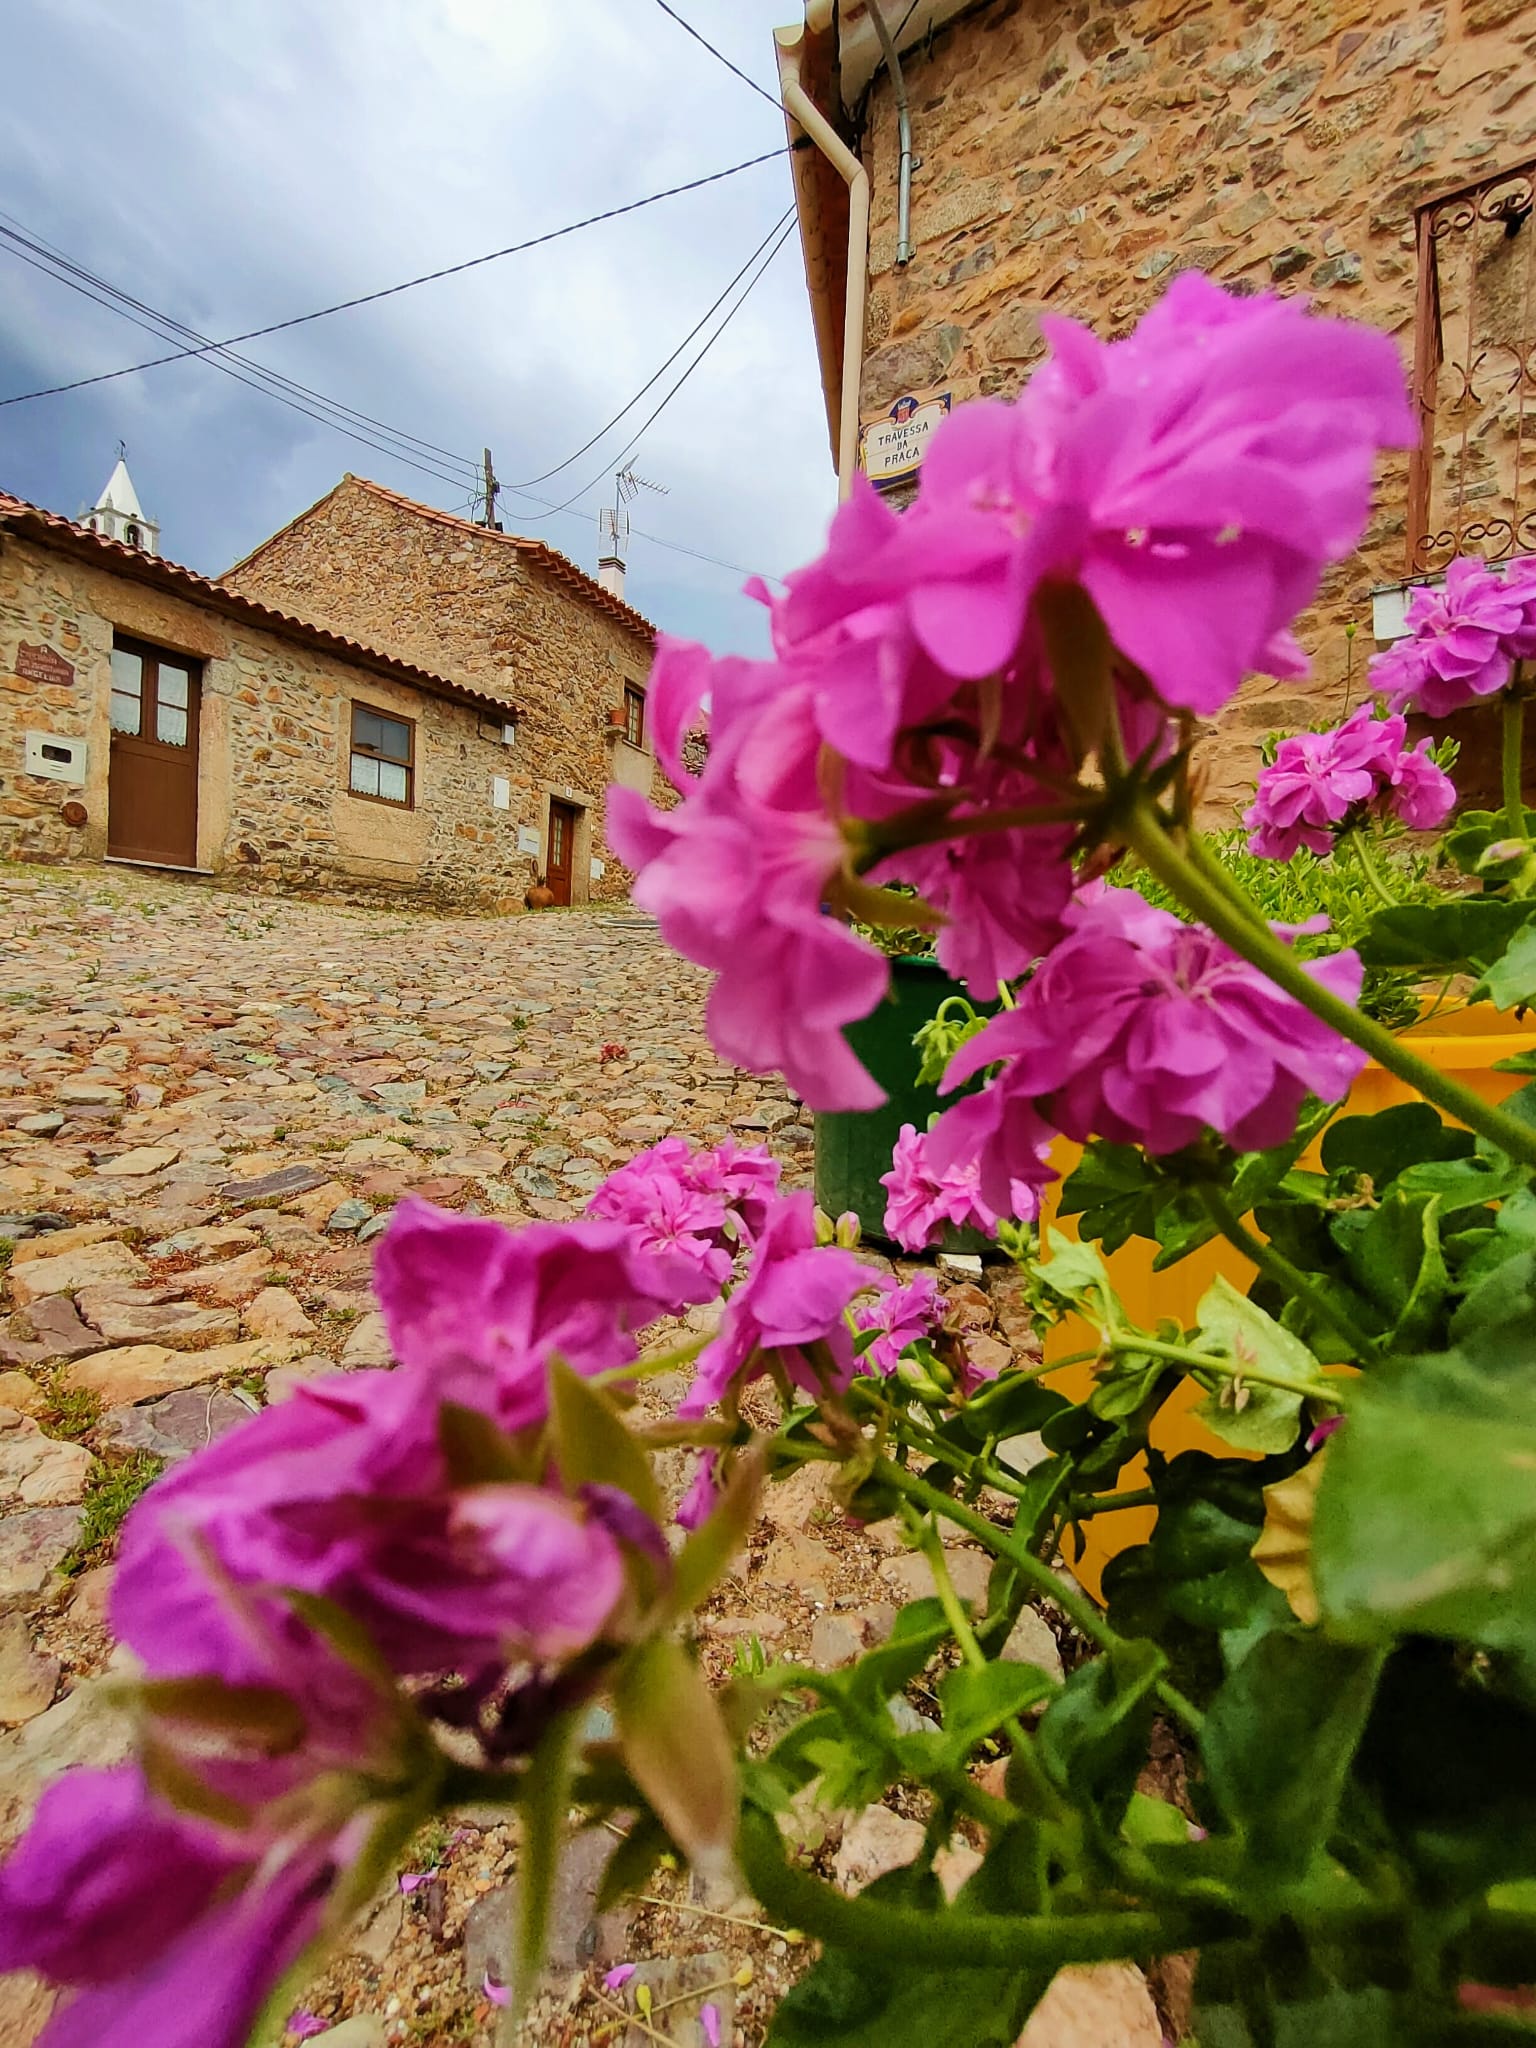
(370,753)
(634,729)
(150,658)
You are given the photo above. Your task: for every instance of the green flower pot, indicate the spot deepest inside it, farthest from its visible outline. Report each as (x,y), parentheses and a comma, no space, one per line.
(853,1147)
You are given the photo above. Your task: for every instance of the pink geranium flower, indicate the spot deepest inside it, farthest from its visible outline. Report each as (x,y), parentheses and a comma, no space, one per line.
(902,1315)
(1195,478)
(1318,779)
(1420,792)
(787,1312)
(738,877)
(935,1184)
(1321,783)
(1462,642)
(1144,1030)
(482,1308)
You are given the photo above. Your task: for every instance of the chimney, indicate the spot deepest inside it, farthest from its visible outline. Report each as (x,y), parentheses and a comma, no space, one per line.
(610,574)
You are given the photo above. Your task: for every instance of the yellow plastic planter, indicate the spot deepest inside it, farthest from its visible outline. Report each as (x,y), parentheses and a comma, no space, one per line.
(1467,1044)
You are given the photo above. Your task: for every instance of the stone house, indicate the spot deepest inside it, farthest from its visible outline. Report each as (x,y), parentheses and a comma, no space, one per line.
(507,615)
(1073,155)
(150,715)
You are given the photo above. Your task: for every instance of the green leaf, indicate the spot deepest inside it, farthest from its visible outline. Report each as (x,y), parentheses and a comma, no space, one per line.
(1092,1737)
(1270,1418)
(1076,1273)
(676,1747)
(977,1700)
(1510,983)
(1383,1145)
(631,1864)
(1426,1517)
(592,1446)
(1467,933)
(1235,2008)
(476,1452)
(1150,1823)
(1505,1295)
(1514,1231)
(1011,1405)
(1278,1741)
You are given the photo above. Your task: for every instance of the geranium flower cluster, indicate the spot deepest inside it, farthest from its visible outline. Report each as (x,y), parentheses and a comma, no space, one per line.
(1323,783)
(1143,1030)
(1463,640)
(698,1205)
(1191,482)
(387,1549)
(412,1511)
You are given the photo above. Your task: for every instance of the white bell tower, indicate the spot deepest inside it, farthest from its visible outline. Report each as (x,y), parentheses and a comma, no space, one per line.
(118,514)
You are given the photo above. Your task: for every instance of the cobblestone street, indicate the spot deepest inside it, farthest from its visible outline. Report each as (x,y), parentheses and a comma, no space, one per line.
(208,1105)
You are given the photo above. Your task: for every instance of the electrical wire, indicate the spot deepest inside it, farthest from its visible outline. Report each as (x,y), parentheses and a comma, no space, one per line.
(412,455)
(265,382)
(720,57)
(746,292)
(28,238)
(435,470)
(409,284)
(703,322)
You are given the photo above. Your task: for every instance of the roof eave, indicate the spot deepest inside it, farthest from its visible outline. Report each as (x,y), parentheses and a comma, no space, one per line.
(63,536)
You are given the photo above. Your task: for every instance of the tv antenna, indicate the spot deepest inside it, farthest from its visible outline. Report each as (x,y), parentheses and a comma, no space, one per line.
(613,520)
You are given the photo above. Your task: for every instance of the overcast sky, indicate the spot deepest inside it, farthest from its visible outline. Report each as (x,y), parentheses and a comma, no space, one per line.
(236,164)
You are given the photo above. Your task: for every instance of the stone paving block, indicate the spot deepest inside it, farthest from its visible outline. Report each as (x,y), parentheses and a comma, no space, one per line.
(33,1545)
(65,1273)
(126,1315)
(177,1425)
(39,1471)
(139,1372)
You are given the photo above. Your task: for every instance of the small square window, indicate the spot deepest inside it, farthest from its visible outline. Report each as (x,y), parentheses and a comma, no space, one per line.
(383,757)
(634,715)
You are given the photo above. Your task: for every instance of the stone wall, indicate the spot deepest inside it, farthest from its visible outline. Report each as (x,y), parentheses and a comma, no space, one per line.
(1076,157)
(472,605)
(274,810)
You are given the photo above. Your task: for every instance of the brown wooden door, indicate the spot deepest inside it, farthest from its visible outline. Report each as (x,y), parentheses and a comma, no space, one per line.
(562,846)
(152,773)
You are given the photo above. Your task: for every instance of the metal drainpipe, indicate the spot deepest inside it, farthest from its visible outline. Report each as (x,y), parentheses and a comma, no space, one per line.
(798,102)
(904,136)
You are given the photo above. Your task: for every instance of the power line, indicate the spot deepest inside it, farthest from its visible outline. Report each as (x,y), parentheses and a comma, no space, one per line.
(30,239)
(409,284)
(113,299)
(434,470)
(424,456)
(782,235)
(720,57)
(703,322)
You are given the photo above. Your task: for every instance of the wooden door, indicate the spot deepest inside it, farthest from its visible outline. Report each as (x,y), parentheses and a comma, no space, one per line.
(562,846)
(152,773)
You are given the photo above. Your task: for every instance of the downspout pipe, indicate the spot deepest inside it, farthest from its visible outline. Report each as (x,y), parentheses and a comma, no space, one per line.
(904,136)
(799,104)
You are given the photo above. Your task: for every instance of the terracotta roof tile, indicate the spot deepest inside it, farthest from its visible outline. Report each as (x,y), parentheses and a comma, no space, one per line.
(52,529)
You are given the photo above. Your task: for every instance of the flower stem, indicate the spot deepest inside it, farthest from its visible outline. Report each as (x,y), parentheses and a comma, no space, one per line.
(1231,920)
(1369,869)
(1512,762)
(1213,1361)
(959,1621)
(1007,1941)
(1077,1607)
(1279,1267)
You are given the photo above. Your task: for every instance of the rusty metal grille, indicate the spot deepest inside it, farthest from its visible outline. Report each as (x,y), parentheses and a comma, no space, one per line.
(1472,479)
